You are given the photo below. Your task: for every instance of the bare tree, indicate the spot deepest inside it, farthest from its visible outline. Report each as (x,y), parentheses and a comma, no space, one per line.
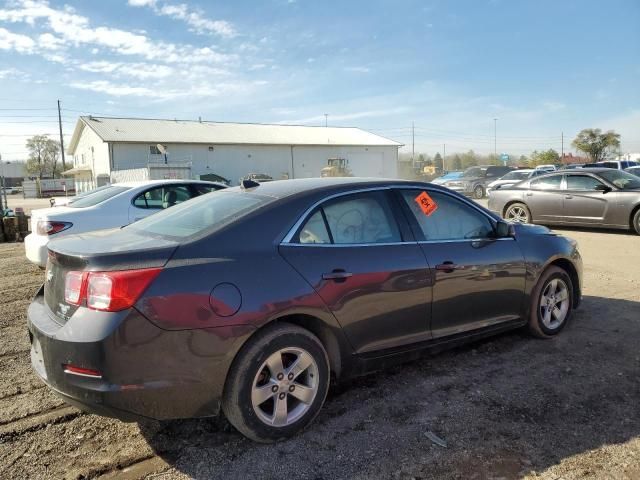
(43,156)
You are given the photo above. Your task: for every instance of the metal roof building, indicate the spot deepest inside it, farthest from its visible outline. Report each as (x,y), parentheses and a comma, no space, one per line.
(104,147)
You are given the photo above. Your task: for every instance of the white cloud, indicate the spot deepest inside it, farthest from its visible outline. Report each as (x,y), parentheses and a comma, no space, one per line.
(196,19)
(76,30)
(136,70)
(15,41)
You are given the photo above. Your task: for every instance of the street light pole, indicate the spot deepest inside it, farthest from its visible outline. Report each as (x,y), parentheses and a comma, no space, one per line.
(495,137)
(4,188)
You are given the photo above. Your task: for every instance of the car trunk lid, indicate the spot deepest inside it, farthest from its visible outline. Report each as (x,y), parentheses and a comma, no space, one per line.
(105,250)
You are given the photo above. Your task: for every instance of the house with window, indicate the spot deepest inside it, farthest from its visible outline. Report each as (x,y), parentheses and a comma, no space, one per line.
(106,149)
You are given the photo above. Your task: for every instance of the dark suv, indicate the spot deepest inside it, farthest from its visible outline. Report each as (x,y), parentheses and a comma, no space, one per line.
(474,180)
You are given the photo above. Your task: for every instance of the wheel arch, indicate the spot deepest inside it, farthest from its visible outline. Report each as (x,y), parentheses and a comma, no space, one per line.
(511,202)
(568,267)
(634,210)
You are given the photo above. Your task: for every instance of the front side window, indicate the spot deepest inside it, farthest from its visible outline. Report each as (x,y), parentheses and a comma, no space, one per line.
(582,182)
(165,196)
(551,182)
(450,220)
(362,218)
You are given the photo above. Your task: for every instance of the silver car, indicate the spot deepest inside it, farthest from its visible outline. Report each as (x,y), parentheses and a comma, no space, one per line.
(594,197)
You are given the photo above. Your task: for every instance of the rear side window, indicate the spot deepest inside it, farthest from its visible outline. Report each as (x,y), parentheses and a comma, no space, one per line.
(202,189)
(207,212)
(451,220)
(162,197)
(547,183)
(362,218)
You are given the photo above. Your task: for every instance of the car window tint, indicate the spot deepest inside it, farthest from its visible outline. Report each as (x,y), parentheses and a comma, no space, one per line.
(162,197)
(452,219)
(203,189)
(547,183)
(314,230)
(582,182)
(361,218)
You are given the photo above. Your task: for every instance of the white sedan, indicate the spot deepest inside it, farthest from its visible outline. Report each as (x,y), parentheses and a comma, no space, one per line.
(111,207)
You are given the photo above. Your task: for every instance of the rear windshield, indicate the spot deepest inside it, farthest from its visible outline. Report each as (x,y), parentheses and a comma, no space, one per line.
(190,218)
(622,180)
(97,197)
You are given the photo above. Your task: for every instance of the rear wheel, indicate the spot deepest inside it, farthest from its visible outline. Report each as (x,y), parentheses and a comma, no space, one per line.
(551,303)
(277,384)
(636,221)
(478,192)
(518,212)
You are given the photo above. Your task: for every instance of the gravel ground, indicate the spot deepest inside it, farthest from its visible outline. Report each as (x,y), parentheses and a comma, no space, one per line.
(509,407)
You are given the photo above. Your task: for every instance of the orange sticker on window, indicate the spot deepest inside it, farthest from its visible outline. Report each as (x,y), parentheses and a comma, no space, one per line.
(426,203)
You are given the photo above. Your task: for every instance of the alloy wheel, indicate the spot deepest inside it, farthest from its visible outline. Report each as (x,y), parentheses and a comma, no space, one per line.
(518,214)
(554,303)
(285,386)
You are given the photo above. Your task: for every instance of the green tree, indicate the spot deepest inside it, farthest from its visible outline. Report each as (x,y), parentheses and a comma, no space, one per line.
(547,157)
(595,144)
(437,160)
(43,156)
(457,162)
(469,159)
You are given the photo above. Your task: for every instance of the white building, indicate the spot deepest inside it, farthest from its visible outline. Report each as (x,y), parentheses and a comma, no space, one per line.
(103,147)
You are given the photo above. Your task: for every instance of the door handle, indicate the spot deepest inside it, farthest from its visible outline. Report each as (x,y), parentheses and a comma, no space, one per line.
(568,196)
(337,275)
(529,194)
(449,267)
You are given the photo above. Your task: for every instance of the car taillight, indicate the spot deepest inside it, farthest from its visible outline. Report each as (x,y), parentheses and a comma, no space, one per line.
(108,291)
(50,228)
(75,287)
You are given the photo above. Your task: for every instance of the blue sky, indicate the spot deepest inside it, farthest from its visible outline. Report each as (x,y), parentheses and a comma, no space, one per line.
(450,67)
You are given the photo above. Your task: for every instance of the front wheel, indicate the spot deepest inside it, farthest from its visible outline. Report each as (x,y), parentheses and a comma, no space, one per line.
(277,383)
(518,212)
(551,303)
(636,222)
(478,192)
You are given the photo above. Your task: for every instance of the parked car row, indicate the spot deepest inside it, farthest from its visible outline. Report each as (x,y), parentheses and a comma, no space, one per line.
(590,197)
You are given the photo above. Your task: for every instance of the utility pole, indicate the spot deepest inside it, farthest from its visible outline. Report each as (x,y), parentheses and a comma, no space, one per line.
(413,145)
(444,155)
(495,137)
(562,145)
(64,167)
(326,116)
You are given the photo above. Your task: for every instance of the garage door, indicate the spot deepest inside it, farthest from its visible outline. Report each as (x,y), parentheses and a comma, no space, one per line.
(366,164)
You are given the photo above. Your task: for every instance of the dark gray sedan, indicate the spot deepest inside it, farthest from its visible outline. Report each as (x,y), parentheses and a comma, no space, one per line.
(251,300)
(590,197)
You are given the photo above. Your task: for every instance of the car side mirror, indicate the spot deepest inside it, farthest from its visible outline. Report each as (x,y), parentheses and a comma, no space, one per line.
(603,188)
(504,229)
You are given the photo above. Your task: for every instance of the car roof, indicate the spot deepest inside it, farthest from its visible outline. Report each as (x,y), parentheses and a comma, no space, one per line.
(144,183)
(293,187)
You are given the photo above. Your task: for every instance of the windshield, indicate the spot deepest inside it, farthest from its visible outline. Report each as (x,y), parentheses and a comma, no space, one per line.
(474,172)
(622,180)
(97,197)
(516,175)
(190,218)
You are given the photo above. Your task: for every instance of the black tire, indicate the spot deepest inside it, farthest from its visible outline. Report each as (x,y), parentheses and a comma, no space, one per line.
(512,208)
(478,192)
(636,221)
(237,398)
(536,325)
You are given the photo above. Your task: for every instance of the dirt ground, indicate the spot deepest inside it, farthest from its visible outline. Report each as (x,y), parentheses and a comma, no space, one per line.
(509,407)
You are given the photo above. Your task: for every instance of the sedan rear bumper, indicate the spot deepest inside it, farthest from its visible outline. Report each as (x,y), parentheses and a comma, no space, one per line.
(35,247)
(144,371)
